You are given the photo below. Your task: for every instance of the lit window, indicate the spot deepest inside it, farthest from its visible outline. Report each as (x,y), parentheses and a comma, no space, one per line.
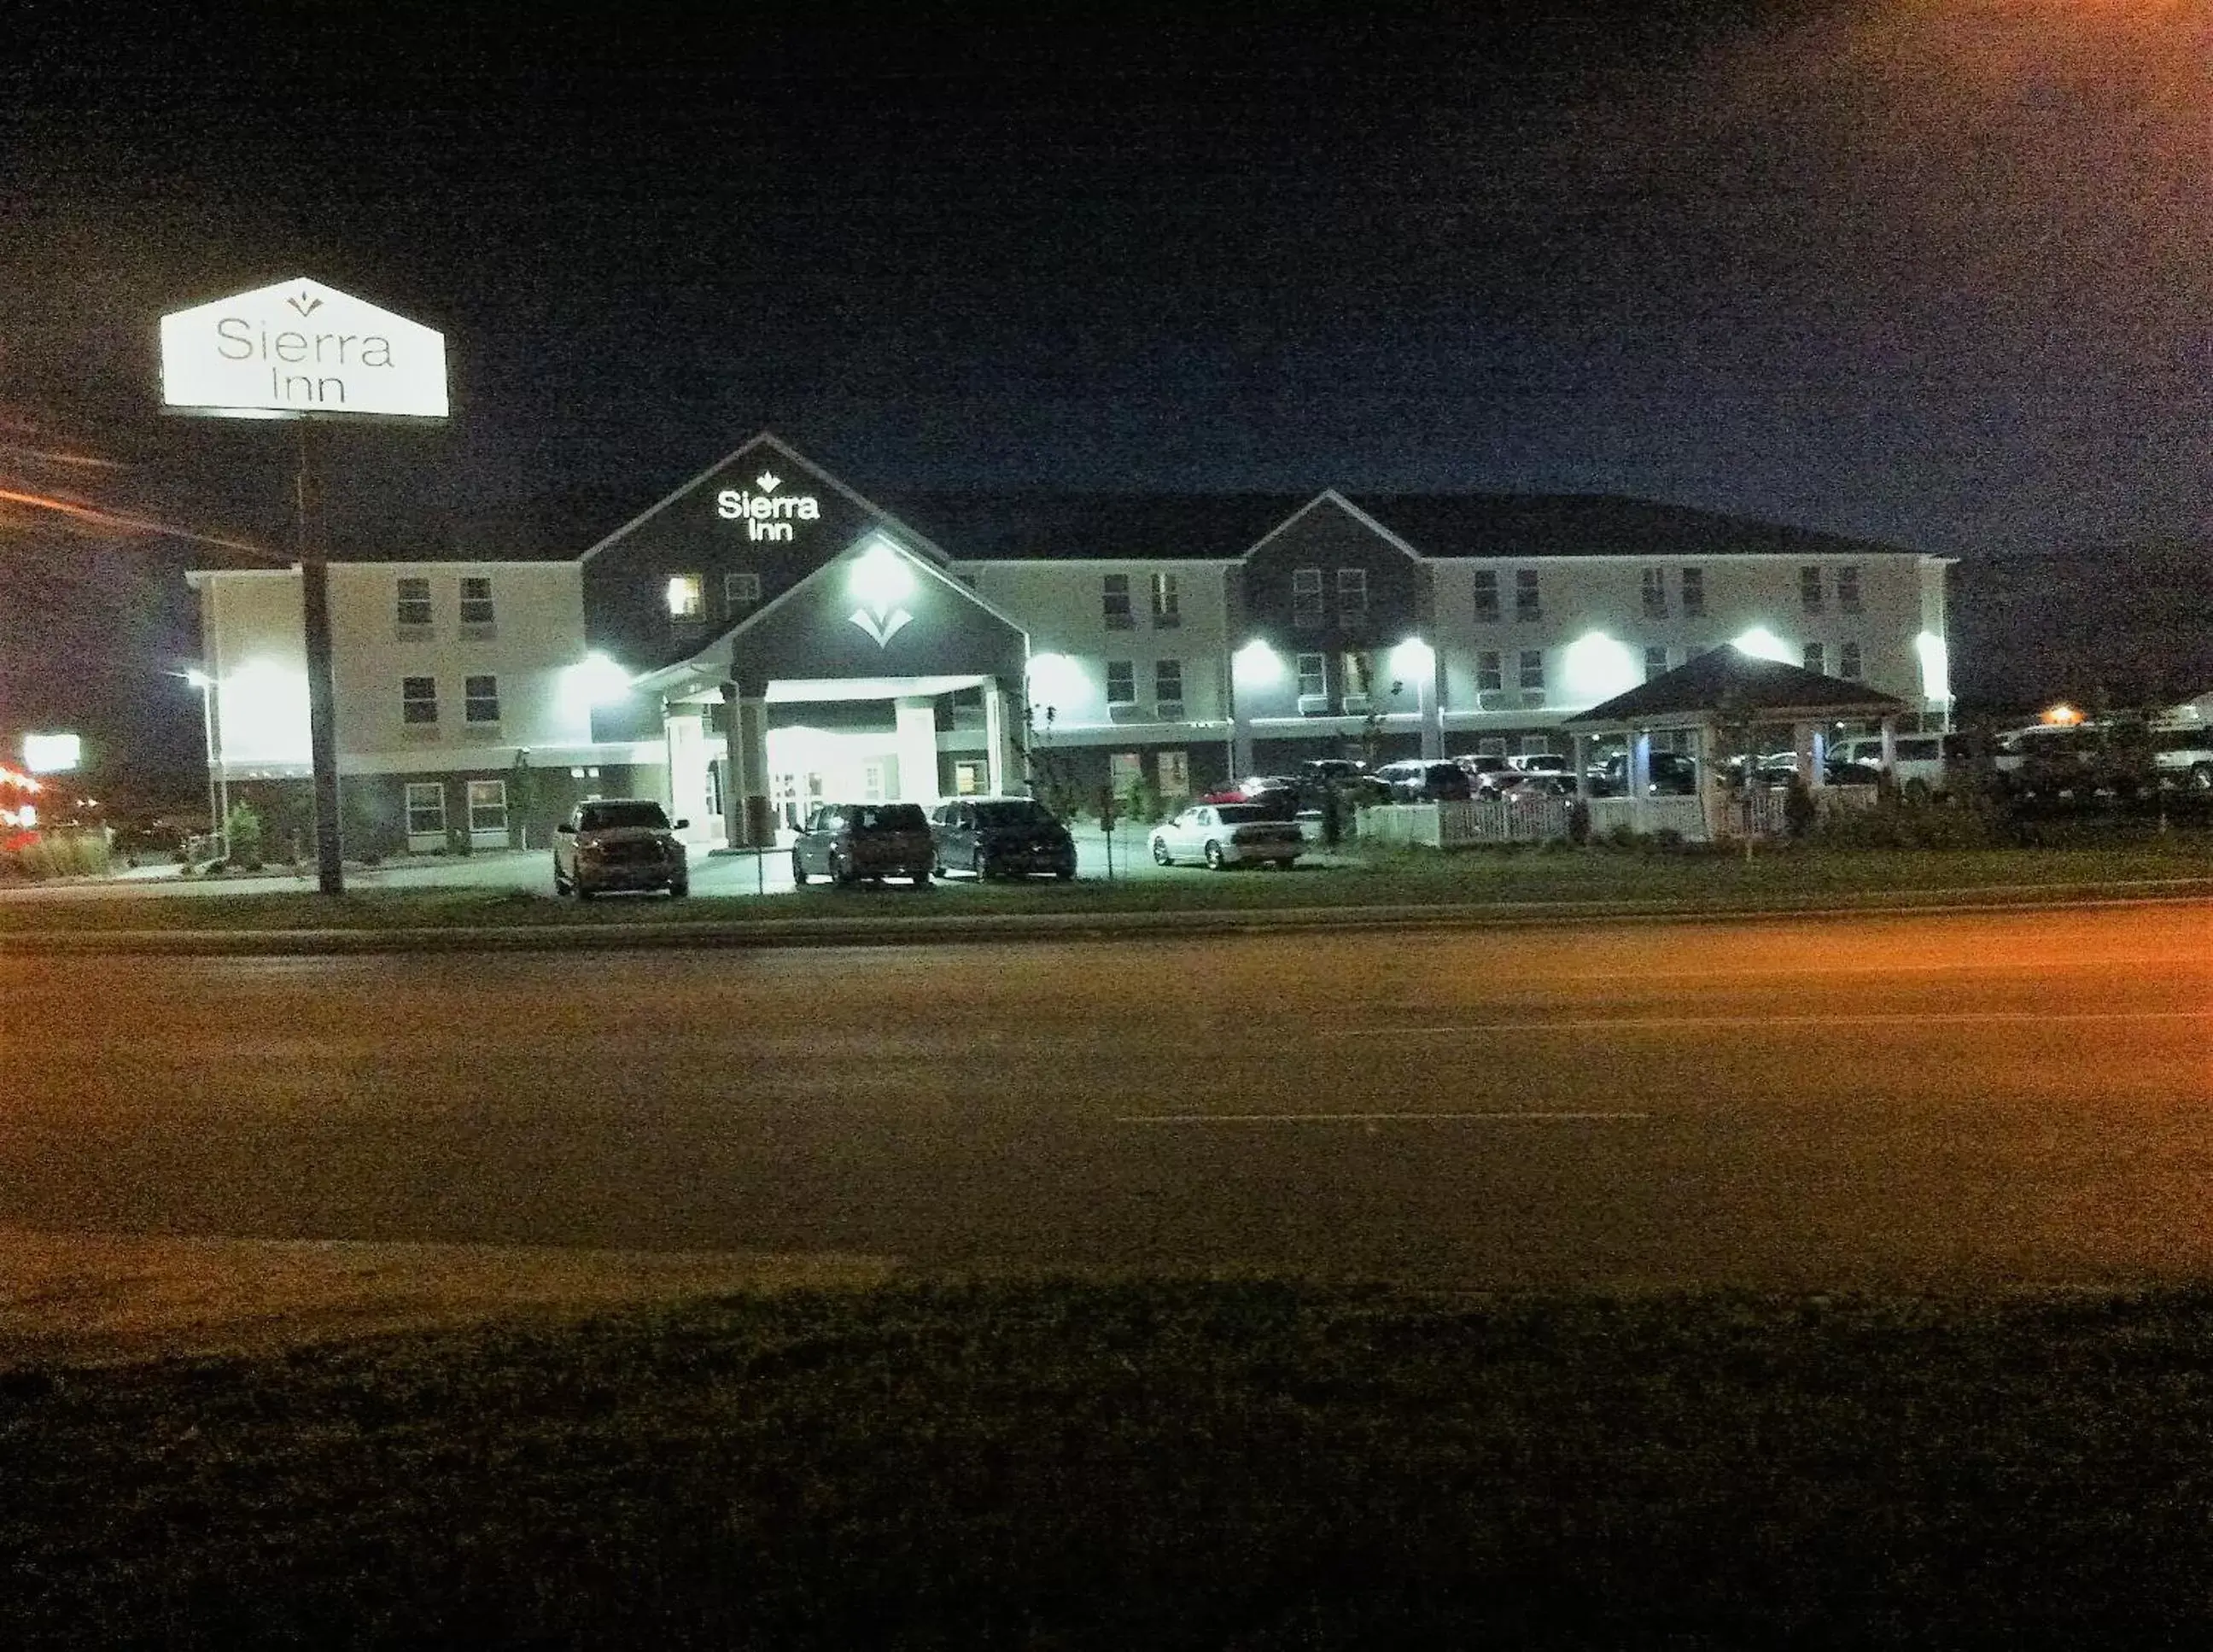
(1655,663)
(1167,610)
(1694,593)
(426,808)
(686,599)
(1809,589)
(1167,680)
(1121,683)
(418,700)
(1351,596)
(1655,592)
(476,600)
(1848,662)
(414,607)
(1314,675)
(1528,605)
(1306,598)
(480,699)
(1489,672)
(1817,658)
(1114,600)
(740,589)
(1175,771)
(1533,668)
(1486,595)
(1848,588)
(487,805)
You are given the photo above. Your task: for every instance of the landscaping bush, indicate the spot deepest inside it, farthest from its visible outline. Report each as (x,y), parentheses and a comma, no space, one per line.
(242,837)
(57,855)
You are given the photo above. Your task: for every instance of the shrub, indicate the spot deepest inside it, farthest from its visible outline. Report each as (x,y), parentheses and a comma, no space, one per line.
(62,853)
(1579,822)
(242,837)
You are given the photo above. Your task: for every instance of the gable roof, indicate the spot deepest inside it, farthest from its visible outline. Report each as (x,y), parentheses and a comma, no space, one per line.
(1727,679)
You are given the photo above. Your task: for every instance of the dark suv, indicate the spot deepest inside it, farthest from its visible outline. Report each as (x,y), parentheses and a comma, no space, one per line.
(1002,837)
(618,842)
(846,841)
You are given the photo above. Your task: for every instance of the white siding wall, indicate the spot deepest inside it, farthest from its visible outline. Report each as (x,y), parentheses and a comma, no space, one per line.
(1061,605)
(253,644)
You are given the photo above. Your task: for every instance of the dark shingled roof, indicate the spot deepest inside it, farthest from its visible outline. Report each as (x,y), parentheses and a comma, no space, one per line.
(1028,526)
(1727,679)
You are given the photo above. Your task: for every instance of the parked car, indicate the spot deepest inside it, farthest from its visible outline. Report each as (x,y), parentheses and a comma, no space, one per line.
(847,842)
(1671,774)
(1543,783)
(1425,780)
(1221,835)
(2182,753)
(1001,837)
(1323,771)
(1540,763)
(1277,794)
(615,843)
(1916,760)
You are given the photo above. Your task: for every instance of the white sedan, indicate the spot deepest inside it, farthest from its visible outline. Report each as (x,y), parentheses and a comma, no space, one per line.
(1227,834)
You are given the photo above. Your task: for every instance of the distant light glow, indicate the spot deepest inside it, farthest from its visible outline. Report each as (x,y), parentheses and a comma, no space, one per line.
(51,754)
(1256,664)
(1596,667)
(686,597)
(2061,716)
(1763,643)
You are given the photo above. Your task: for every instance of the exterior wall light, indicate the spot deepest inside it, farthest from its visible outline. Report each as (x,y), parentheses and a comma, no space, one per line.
(1256,664)
(1414,658)
(1595,668)
(881,579)
(1763,643)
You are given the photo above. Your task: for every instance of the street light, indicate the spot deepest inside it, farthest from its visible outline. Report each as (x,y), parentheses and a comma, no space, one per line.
(218,784)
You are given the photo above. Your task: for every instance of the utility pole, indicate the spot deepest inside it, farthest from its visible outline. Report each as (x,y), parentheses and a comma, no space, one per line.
(322,692)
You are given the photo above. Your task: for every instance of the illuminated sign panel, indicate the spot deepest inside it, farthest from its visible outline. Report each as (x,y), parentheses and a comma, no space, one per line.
(300,350)
(768,516)
(51,754)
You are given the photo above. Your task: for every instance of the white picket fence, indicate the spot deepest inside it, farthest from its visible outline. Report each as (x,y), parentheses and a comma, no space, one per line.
(1533,820)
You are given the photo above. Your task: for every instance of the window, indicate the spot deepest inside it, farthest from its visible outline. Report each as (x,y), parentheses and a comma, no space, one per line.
(1168,680)
(1114,602)
(1167,610)
(1356,671)
(1124,770)
(1314,675)
(1809,590)
(480,699)
(1848,662)
(1121,683)
(1655,663)
(1487,679)
(1528,605)
(418,700)
(1694,593)
(1848,588)
(740,589)
(1175,771)
(1532,669)
(1817,658)
(487,805)
(971,778)
(414,608)
(1655,592)
(686,599)
(1351,596)
(426,808)
(1306,598)
(476,600)
(1486,595)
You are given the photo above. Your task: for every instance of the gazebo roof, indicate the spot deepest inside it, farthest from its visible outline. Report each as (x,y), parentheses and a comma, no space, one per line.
(1725,681)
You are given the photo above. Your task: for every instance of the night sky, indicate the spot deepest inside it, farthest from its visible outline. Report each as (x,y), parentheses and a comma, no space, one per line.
(1936,272)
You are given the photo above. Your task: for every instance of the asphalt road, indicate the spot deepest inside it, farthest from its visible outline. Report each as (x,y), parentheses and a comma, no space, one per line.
(1939,1098)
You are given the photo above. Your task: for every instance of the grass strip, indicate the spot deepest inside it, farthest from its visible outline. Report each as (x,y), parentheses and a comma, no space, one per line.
(1771,878)
(1167,1465)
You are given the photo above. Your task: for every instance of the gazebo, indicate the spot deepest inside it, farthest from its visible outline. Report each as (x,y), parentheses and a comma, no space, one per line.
(1727,688)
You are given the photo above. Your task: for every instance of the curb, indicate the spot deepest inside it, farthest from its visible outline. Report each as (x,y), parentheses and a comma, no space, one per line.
(776,933)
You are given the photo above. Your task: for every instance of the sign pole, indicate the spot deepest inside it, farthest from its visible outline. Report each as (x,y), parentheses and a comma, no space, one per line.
(322,694)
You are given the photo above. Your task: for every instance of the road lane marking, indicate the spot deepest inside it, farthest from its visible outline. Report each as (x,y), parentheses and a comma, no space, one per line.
(1375,1118)
(1666,1023)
